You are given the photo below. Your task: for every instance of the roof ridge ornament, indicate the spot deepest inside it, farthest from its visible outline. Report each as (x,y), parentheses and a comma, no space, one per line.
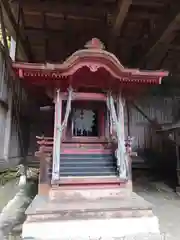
(95,43)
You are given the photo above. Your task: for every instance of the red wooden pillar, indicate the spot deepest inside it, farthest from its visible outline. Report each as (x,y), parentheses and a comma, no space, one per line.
(101,122)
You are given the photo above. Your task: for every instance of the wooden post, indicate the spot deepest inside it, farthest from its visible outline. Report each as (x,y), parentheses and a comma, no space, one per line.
(178,164)
(57,136)
(18,30)
(177,161)
(59,126)
(44,178)
(101,122)
(120,113)
(107,124)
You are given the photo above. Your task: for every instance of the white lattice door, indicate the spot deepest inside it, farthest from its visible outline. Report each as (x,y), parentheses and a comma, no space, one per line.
(84,122)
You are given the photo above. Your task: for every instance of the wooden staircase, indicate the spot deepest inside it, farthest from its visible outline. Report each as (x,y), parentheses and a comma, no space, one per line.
(78,165)
(86,163)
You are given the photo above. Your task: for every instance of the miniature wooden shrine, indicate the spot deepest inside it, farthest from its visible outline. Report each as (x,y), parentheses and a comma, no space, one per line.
(89,145)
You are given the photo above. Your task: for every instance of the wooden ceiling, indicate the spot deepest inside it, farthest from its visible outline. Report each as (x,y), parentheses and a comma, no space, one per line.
(141,33)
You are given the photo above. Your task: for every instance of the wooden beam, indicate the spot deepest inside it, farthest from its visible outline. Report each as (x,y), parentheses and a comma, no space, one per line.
(121,14)
(123,9)
(3,29)
(174,47)
(18,31)
(151,121)
(14,27)
(135,16)
(41,30)
(170,127)
(41,33)
(26,38)
(46,40)
(161,37)
(149,4)
(66,9)
(70,16)
(159,49)
(80,96)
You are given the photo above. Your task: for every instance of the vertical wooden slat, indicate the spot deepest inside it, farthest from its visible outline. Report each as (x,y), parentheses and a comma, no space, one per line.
(11,83)
(101,121)
(2,130)
(8,126)
(107,123)
(128,118)
(177,158)
(44,178)
(2,62)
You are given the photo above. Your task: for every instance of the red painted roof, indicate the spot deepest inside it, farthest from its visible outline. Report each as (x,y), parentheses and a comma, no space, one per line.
(93,59)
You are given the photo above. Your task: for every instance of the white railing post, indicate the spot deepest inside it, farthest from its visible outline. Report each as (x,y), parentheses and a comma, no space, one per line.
(117,116)
(57,136)
(121,134)
(59,126)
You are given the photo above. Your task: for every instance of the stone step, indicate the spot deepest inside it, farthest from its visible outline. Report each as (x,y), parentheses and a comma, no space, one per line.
(141,228)
(90,216)
(73,207)
(66,194)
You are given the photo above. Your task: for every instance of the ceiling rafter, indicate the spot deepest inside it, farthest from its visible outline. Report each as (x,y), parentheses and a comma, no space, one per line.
(61,16)
(43,33)
(147,3)
(123,8)
(26,37)
(44,29)
(66,9)
(161,38)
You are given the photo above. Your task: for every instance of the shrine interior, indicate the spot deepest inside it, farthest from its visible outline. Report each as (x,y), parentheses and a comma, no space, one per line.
(142,34)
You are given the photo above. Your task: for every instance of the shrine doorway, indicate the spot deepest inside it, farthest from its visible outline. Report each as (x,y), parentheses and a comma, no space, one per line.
(85,149)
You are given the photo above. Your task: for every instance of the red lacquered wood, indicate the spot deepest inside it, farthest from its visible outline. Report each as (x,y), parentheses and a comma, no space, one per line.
(101,68)
(72,181)
(85,151)
(86,96)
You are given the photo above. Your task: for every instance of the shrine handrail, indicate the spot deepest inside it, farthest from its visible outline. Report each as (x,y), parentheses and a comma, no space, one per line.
(117,118)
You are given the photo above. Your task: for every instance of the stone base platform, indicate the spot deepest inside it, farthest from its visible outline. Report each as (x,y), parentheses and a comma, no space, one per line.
(90,213)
